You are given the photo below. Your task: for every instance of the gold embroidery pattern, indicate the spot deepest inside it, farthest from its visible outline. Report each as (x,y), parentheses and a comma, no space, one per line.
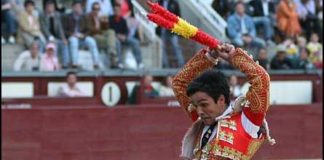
(191,70)
(254,146)
(215,151)
(229,124)
(228,152)
(258,94)
(226,136)
(203,153)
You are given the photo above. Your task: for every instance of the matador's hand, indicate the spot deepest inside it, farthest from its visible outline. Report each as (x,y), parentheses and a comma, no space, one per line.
(225,51)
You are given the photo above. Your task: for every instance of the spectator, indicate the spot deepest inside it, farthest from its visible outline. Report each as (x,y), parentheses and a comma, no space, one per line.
(28,60)
(303,61)
(99,29)
(135,28)
(235,89)
(263,14)
(263,59)
(316,52)
(51,26)
(106,7)
(148,89)
(241,29)
(10,20)
(71,88)
(49,61)
(291,48)
(167,36)
(58,5)
(166,87)
(287,18)
(126,7)
(223,7)
(281,61)
(308,18)
(301,42)
(76,29)
(29,27)
(119,24)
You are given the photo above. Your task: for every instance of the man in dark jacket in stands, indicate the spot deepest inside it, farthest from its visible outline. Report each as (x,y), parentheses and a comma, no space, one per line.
(77,31)
(119,25)
(281,61)
(52,28)
(263,14)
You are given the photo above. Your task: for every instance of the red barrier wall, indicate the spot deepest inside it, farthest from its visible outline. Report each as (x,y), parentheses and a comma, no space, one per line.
(140,133)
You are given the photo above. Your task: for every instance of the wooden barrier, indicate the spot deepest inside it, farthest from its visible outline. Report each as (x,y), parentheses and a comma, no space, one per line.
(40,85)
(139,132)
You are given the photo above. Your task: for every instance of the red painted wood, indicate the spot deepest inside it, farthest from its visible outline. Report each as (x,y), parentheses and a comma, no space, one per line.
(140,133)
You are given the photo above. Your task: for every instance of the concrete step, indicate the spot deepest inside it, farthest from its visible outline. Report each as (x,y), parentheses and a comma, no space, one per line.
(9,53)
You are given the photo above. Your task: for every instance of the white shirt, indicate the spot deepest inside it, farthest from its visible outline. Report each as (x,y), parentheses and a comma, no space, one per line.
(65,90)
(166,92)
(302,10)
(265,7)
(243,26)
(236,90)
(26,62)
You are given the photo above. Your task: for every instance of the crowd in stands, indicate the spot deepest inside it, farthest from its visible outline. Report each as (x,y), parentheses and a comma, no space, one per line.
(291,29)
(100,26)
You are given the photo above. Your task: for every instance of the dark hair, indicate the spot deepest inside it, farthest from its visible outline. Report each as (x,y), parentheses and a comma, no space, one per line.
(93,4)
(212,82)
(238,3)
(76,2)
(34,43)
(28,2)
(71,73)
(49,2)
(117,5)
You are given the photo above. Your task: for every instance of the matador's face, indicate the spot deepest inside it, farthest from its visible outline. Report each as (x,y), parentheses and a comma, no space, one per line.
(207,109)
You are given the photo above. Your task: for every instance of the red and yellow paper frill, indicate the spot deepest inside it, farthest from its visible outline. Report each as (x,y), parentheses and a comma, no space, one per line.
(170,21)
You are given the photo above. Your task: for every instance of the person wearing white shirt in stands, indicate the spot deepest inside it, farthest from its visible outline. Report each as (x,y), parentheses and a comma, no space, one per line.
(28,60)
(166,88)
(71,88)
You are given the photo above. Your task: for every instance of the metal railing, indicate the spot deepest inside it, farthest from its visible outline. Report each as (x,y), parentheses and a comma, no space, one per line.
(154,72)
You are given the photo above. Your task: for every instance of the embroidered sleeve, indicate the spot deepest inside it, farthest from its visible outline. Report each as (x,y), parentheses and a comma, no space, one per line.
(191,70)
(258,93)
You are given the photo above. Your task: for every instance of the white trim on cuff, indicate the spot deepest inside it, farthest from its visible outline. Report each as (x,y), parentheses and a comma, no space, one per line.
(249,127)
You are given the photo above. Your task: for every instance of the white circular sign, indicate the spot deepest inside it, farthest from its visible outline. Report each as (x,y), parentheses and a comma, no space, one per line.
(110,94)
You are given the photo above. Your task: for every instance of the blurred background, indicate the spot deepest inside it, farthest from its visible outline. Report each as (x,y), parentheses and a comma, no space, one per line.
(91,79)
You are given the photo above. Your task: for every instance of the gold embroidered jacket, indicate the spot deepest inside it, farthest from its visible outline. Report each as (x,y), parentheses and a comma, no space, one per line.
(242,145)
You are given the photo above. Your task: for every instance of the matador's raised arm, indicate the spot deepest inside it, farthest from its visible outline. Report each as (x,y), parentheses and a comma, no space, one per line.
(257,96)
(194,67)
(258,93)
